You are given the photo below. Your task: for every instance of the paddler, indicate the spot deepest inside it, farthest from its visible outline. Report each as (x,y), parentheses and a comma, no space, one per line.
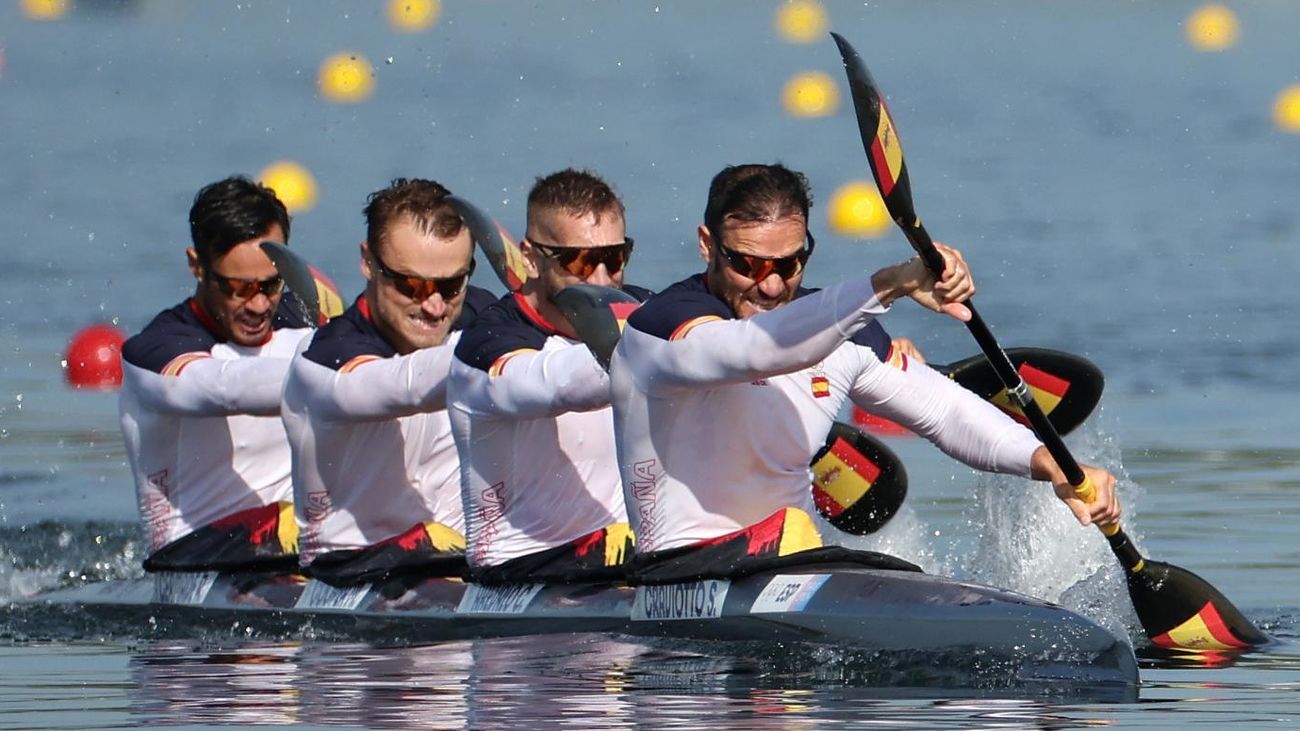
(530,404)
(376,474)
(725,383)
(200,399)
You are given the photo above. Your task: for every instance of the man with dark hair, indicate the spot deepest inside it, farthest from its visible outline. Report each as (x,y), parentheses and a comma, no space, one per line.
(376,474)
(201,396)
(724,384)
(530,403)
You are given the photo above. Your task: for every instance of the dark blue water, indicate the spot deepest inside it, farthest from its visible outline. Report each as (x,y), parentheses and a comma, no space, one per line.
(1119,195)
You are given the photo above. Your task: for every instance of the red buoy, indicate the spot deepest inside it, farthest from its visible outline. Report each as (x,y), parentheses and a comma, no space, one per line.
(94,357)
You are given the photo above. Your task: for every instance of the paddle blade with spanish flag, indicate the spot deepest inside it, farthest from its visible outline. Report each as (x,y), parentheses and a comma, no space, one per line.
(858,483)
(1180,610)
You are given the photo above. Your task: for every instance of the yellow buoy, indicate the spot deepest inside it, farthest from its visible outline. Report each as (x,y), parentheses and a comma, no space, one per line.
(346,77)
(1212,27)
(1286,110)
(45,9)
(293,184)
(810,94)
(413,16)
(857,211)
(801,21)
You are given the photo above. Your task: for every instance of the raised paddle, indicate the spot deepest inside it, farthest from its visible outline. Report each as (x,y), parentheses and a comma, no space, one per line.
(1066,387)
(1177,608)
(312,296)
(500,248)
(858,483)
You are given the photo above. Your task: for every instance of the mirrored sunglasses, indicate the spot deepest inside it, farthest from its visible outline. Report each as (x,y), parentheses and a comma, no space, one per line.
(581,261)
(759,268)
(246,289)
(420,289)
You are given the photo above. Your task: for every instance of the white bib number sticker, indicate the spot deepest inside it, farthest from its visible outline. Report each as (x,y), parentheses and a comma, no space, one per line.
(507,599)
(788,593)
(694,600)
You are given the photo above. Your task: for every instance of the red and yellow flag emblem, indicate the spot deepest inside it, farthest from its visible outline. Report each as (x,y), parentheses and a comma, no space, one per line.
(841,477)
(821,387)
(886,152)
(1047,390)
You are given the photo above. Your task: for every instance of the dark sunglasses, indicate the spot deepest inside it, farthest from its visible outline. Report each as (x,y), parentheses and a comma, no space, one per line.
(759,268)
(581,261)
(245,289)
(420,289)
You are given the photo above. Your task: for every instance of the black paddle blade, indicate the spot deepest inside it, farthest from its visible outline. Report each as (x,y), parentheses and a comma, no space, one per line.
(1180,610)
(597,315)
(297,274)
(495,242)
(879,138)
(1066,386)
(858,483)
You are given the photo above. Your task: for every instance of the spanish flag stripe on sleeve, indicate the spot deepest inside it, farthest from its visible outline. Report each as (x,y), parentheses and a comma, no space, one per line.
(691,324)
(622,311)
(499,364)
(356,362)
(177,364)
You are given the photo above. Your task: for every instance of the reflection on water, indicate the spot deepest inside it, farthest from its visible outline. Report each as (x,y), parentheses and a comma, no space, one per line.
(554,682)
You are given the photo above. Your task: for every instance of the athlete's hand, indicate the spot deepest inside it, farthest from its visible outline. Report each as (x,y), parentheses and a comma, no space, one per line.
(913,279)
(1104,508)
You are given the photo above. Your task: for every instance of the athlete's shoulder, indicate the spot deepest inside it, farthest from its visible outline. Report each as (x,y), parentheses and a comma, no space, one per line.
(477,300)
(872,336)
(682,303)
(172,332)
(502,327)
(636,290)
(347,337)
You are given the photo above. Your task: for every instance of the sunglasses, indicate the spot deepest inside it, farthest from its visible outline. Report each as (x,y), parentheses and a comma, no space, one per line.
(246,289)
(581,261)
(759,268)
(420,289)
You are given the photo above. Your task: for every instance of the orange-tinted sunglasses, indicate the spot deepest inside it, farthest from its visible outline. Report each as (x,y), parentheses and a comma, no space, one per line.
(245,289)
(759,268)
(581,261)
(420,289)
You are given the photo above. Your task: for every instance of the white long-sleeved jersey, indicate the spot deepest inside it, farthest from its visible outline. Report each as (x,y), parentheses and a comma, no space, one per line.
(201,421)
(530,412)
(715,430)
(372,448)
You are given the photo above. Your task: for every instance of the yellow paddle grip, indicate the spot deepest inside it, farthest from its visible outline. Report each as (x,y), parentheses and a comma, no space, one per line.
(1087,493)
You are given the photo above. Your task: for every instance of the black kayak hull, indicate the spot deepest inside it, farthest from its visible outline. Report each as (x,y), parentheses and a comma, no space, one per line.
(879,616)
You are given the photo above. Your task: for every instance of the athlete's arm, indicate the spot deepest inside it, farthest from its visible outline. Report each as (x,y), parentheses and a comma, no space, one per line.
(196,384)
(531,384)
(707,350)
(370,388)
(963,425)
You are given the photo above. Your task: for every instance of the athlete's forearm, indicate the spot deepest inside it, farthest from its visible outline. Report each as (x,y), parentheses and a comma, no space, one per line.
(209,386)
(782,340)
(957,421)
(384,388)
(535,384)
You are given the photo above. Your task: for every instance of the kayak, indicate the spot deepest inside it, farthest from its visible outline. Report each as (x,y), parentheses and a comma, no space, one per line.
(882,617)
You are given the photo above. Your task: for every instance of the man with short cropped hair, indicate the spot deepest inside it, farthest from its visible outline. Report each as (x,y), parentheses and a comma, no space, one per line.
(376,474)
(200,398)
(530,403)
